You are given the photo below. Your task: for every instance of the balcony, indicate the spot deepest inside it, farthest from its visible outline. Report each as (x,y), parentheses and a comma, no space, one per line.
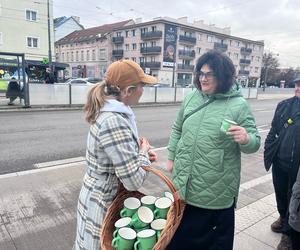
(246,50)
(186,54)
(118,52)
(220,46)
(245,61)
(244,72)
(185,67)
(151,50)
(118,39)
(151,65)
(187,39)
(151,35)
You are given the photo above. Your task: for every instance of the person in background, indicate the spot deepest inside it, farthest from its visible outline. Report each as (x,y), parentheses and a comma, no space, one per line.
(285,163)
(115,153)
(205,160)
(49,77)
(294,214)
(13,91)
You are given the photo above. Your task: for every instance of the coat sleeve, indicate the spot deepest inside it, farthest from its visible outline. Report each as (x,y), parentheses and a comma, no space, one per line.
(175,134)
(247,121)
(118,143)
(273,133)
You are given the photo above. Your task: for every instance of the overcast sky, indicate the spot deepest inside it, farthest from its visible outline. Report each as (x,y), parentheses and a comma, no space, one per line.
(277,22)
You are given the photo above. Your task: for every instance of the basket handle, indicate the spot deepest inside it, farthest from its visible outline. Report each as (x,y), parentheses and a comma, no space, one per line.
(169,184)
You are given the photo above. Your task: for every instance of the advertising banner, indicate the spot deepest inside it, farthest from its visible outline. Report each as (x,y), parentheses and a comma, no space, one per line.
(170,45)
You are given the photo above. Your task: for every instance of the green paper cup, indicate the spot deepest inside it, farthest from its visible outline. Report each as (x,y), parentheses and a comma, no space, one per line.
(162,205)
(158,225)
(123,222)
(131,205)
(125,239)
(142,218)
(148,201)
(146,240)
(226,124)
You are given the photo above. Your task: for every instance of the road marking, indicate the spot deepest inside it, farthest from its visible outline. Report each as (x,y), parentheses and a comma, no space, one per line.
(59,162)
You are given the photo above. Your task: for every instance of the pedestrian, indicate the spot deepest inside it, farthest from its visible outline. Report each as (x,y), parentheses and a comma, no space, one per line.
(282,147)
(294,214)
(114,151)
(205,160)
(49,76)
(13,91)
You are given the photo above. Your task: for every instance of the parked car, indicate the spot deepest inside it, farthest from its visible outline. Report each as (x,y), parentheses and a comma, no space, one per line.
(79,81)
(93,79)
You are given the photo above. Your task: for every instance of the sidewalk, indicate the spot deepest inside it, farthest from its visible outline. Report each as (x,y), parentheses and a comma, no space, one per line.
(38,207)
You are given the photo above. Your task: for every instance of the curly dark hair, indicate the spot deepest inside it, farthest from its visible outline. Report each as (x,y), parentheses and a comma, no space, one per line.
(222,67)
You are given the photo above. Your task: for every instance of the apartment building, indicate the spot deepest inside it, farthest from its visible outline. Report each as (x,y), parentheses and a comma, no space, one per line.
(168,48)
(63,26)
(24,29)
(89,51)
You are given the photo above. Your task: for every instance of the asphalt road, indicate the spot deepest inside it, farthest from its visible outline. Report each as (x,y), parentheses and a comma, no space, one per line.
(27,138)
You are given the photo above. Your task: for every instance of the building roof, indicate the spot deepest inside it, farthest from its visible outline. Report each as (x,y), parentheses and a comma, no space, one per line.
(92,33)
(61,20)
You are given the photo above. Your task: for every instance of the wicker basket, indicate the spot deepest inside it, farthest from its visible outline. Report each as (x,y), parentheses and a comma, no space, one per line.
(173,218)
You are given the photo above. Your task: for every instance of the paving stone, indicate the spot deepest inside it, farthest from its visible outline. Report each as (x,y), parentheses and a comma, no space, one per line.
(5,239)
(243,241)
(253,193)
(262,232)
(246,217)
(270,200)
(263,207)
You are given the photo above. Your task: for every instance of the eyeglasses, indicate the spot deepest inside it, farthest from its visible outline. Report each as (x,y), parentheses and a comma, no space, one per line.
(207,75)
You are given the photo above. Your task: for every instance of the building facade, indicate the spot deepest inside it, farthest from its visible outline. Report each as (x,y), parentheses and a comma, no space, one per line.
(168,49)
(24,28)
(63,26)
(88,52)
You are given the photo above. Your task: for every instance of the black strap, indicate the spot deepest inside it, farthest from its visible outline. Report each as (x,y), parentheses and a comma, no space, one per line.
(197,109)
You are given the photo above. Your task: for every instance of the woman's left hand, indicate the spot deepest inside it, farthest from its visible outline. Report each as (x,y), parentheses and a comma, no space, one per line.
(239,134)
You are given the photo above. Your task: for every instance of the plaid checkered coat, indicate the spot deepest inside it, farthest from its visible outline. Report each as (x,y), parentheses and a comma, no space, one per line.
(112,154)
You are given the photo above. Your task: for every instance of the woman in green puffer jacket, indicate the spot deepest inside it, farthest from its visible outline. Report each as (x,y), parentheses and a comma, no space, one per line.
(205,160)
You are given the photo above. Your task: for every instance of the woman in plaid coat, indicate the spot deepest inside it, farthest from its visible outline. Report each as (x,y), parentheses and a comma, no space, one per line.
(114,151)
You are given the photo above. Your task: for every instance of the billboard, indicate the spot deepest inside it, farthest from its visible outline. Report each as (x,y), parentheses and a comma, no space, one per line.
(170,40)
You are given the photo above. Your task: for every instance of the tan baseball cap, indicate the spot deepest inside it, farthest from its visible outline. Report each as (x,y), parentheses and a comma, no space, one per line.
(127,72)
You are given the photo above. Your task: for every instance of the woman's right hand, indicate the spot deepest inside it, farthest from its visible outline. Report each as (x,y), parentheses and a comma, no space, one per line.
(144,145)
(169,165)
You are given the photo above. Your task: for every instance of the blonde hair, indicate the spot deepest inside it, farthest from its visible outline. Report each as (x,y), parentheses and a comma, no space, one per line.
(96,98)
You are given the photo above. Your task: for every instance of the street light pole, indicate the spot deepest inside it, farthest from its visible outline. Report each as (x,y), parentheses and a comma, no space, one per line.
(49,37)
(266,77)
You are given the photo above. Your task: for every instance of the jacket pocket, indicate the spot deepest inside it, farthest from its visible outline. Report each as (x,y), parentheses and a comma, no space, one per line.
(294,208)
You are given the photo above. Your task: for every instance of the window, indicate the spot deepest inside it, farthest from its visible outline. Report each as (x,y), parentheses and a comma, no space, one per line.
(119,34)
(133,32)
(77,56)
(236,56)
(153,28)
(230,42)
(67,59)
(133,59)
(238,44)
(199,37)
(134,46)
(32,42)
(142,59)
(198,50)
(87,55)
(252,58)
(256,70)
(143,45)
(102,54)
(144,30)
(1,38)
(63,57)
(57,56)
(82,55)
(152,59)
(30,15)
(210,39)
(126,46)
(72,56)
(93,55)
(229,54)
(126,33)
(257,58)
(153,44)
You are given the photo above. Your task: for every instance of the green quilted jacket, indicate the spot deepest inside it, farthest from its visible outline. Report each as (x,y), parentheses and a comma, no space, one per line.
(207,162)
